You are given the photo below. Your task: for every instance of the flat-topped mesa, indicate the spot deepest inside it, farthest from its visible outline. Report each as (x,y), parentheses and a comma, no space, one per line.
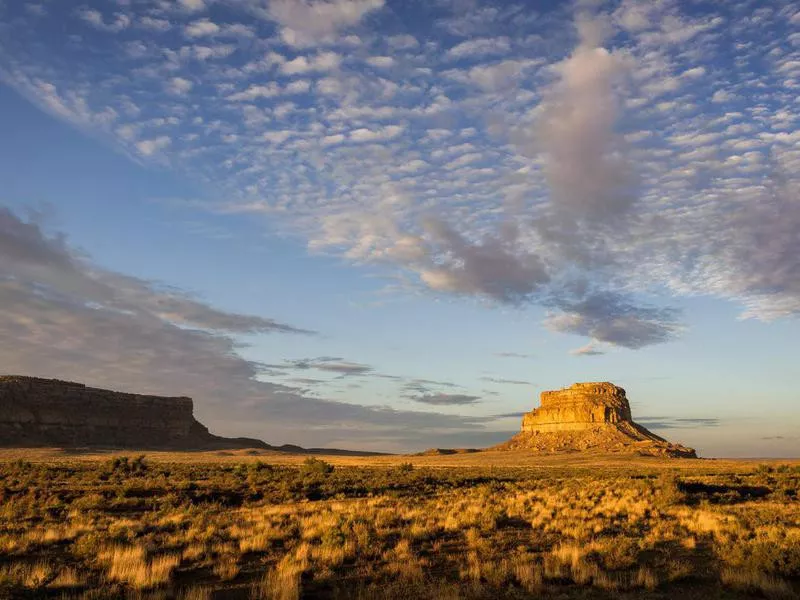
(50,412)
(593,416)
(580,406)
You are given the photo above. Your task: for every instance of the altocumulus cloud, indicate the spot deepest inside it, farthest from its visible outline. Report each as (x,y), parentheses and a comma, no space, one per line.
(70,319)
(619,163)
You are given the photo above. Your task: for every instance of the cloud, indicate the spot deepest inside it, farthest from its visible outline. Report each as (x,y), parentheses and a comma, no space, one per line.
(500,76)
(513,415)
(369,135)
(506,381)
(330,364)
(179,86)
(381,62)
(193,5)
(309,22)
(608,317)
(505,165)
(757,258)
(402,42)
(30,258)
(677,423)
(513,355)
(95,19)
(480,47)
(634,15)
(589,349)
(201,28)
(23,244)
(441,399)
(323,61)
(587,172)
(495,267)
(154,24)
(255,92)
(152,146)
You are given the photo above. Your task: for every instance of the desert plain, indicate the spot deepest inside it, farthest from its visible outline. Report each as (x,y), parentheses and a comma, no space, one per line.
(255,523)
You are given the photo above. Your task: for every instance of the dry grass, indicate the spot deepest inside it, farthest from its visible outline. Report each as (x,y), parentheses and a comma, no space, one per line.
(185,530)
(130,565)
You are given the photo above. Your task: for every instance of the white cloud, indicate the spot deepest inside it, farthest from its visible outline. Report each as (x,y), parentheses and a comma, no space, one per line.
(381,62)
(154,24)
(499,76)
(201,28)
(330,140)
(298,86)
(309,22)
(152,146)
(403,42)
(694,72)
(193,5)
(256,91)
(179,86)
(480,47)
(634,15)
(95,19)
(370,135)
(323,61)
(277,137)
(722,96)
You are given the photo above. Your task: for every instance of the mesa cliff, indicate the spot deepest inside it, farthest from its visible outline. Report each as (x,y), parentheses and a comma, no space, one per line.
(50,412)
(594,416)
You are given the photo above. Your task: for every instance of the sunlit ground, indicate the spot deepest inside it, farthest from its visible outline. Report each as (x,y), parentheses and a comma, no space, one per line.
(250,524)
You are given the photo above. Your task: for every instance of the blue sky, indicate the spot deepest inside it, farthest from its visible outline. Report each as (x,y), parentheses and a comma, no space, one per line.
(390,225)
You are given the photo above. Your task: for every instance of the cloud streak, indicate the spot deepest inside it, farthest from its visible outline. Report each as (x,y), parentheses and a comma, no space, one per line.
(441,399)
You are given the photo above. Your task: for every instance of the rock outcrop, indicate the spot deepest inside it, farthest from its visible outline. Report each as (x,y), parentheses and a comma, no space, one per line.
(49,412)
(589,416)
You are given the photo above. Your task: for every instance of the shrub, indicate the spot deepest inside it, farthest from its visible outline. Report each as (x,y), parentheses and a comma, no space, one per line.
(668,491)
(123,465)
(316,466)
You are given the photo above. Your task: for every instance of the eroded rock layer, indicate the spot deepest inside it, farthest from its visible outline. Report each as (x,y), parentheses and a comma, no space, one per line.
(50,412)
(589,416)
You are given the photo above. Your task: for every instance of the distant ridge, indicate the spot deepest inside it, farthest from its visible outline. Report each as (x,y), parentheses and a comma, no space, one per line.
(592,416)
(36,412)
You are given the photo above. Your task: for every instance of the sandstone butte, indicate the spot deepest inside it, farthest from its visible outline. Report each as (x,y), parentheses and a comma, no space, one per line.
(593,416)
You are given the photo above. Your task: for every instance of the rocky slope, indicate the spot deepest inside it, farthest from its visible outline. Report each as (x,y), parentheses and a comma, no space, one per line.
(49,412)
(589,416)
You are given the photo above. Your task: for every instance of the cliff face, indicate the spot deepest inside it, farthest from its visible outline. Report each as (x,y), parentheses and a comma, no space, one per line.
(589,416)
(49,412)
(579,407)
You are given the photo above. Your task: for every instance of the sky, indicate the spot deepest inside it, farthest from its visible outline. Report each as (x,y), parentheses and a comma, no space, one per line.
(389,225)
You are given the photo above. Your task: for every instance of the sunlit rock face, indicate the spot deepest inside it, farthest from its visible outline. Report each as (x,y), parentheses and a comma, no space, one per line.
(589,417)
(50,412)
(578,407)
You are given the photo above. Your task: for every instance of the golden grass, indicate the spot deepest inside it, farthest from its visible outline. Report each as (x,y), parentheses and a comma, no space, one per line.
(756,582)
(29,575)
(130,565)
(421,532)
